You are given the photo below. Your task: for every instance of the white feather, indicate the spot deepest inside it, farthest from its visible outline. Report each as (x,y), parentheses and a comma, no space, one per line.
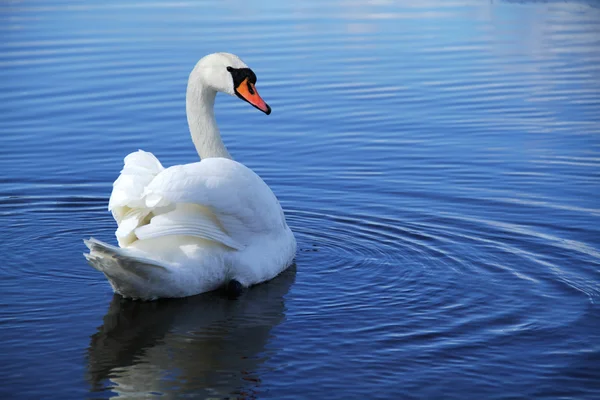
(187,220)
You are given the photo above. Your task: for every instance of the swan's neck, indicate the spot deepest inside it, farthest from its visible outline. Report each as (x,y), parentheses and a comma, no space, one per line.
(200,104)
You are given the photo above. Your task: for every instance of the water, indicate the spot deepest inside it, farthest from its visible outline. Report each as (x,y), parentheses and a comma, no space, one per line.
(439,164)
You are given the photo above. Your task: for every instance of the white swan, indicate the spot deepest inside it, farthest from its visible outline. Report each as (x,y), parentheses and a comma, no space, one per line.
(196,227)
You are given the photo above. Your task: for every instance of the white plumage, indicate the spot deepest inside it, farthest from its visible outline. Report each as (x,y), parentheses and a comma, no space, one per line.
(192,228)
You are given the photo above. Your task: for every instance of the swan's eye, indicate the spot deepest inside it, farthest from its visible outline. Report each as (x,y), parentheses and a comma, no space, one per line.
(240,74)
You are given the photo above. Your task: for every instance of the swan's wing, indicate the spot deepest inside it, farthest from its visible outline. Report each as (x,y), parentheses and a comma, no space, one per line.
(127,202)
(238,201)
(216,199)
(139,169)
(187,220)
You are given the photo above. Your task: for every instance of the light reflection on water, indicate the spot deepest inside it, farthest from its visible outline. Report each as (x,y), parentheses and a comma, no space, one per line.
(205,346)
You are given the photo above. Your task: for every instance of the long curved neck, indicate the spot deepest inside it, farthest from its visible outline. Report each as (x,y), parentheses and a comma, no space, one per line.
(199,105)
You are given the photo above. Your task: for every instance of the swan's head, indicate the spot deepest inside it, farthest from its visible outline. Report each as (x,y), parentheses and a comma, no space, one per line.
(225,72)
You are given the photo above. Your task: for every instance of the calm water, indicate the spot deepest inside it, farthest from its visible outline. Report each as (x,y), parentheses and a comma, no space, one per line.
(439,164)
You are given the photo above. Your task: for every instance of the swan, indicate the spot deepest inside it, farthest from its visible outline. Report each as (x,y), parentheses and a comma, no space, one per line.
(194,228)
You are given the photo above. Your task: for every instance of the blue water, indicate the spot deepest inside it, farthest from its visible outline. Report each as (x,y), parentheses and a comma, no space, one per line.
(439,163)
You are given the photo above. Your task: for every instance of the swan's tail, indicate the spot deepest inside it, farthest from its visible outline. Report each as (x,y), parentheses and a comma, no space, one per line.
(129,275)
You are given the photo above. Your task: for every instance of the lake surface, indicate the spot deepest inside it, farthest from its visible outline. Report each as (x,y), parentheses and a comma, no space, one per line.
(439,164)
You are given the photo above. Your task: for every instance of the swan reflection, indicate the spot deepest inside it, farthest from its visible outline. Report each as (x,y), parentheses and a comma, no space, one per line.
(205,346)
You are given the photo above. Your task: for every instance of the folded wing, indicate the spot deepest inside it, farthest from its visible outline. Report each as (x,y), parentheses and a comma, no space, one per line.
(216,199)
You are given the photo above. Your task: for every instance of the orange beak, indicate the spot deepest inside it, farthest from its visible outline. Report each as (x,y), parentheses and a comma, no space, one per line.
(246,91)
